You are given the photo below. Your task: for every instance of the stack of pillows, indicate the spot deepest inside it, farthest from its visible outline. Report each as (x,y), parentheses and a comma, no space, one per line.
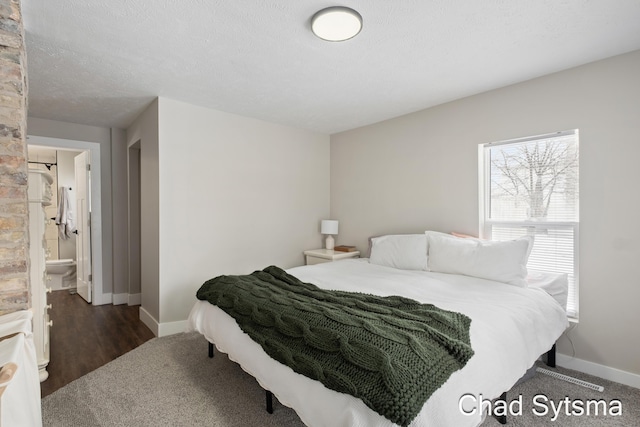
(500,261)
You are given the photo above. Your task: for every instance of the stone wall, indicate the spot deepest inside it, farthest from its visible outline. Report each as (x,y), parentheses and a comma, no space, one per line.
(14,212)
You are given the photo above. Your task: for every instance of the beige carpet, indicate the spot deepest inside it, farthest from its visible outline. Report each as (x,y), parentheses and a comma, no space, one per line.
(171,382)
(166,381)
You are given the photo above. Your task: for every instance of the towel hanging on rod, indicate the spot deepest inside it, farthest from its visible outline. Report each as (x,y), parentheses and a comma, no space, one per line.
(64,219)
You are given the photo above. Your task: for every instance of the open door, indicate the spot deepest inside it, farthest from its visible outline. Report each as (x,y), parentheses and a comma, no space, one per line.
(83,227)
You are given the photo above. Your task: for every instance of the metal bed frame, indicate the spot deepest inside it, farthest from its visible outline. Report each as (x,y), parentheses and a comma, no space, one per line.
(269,395)
(551,362)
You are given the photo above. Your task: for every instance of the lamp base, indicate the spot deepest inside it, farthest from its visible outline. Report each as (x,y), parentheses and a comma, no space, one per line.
(330,243)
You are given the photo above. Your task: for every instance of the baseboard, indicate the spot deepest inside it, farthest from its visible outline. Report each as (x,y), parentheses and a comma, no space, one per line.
(148,320)
(171,328)
(134,299)
(119,299)
(162,329)
(97,299)
(601,371)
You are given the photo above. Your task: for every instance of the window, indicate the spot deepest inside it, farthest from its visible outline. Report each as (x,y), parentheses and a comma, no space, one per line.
(529,186)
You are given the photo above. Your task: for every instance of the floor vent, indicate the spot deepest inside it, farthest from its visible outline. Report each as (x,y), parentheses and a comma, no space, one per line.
(570,379)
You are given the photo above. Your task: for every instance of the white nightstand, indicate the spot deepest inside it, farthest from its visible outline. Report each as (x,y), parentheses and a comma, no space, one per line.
(318,256)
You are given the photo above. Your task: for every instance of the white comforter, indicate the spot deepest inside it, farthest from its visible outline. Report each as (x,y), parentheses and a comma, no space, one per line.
(510,328)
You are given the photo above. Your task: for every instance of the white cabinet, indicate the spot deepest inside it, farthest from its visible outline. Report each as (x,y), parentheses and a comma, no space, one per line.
(39,196)
(21,394)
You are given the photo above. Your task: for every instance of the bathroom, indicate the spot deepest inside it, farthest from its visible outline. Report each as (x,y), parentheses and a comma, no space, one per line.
(60,247)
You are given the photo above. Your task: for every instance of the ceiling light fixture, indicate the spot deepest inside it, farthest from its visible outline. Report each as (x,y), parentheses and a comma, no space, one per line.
(336,24)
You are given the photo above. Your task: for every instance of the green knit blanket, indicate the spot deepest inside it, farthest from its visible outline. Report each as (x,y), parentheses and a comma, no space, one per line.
(390,352)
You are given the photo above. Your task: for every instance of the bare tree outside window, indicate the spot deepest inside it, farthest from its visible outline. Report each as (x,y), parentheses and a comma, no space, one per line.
(537,179)
(530,187)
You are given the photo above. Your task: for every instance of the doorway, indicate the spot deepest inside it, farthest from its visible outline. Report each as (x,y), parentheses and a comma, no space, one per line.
(95,201)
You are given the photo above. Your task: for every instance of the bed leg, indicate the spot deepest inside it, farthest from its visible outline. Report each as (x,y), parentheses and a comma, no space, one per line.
(210,350)
(502,419)
(269,396)
(551,357)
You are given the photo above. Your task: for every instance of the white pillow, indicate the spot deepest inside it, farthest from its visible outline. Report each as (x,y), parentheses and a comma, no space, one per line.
(436,233)
(403,251)
(499,261)
(439,233)
(555,284)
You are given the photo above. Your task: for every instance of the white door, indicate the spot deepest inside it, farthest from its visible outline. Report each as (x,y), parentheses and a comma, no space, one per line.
(83,241)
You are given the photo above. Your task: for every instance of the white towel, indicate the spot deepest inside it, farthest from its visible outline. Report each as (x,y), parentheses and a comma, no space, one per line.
(64,219)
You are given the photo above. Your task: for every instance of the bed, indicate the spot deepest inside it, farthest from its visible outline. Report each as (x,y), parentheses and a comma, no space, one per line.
(511,327)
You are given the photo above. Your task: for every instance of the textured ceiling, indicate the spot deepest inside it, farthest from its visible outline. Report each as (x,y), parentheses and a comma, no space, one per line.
(102,62)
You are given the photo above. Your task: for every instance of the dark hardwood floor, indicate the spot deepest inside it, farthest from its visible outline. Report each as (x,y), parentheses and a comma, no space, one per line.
(85,337)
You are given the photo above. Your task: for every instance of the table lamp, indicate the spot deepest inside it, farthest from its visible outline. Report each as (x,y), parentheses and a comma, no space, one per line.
(329,227)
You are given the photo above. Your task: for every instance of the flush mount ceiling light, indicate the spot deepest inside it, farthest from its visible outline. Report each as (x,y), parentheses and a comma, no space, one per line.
(336,24)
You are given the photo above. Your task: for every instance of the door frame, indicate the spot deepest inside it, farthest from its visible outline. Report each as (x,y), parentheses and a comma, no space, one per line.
(96,206)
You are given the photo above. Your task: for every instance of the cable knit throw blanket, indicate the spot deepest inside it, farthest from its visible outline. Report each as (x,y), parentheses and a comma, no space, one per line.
(391,352)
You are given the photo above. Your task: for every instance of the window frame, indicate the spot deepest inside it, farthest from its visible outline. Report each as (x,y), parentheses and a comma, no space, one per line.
(486,224)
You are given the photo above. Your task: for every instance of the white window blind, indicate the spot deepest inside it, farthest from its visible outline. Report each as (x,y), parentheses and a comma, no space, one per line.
(529,186)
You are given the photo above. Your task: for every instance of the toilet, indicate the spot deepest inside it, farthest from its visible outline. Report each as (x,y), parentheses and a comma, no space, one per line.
(61,274)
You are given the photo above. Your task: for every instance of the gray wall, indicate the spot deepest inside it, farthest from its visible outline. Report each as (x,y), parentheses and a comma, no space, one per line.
(420,171)
(236,194)
(219,194)
(144,134)
(133,160)
(120,214)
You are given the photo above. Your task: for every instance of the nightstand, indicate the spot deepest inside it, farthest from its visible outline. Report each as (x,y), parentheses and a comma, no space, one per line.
(318,256)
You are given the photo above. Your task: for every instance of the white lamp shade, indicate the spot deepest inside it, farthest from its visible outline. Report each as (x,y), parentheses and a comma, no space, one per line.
(329,226)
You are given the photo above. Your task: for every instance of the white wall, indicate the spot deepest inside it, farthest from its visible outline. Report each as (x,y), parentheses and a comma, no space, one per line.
(236,195)
(419,172)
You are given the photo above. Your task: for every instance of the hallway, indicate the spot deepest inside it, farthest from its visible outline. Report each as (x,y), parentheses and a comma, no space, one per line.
(85,337)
